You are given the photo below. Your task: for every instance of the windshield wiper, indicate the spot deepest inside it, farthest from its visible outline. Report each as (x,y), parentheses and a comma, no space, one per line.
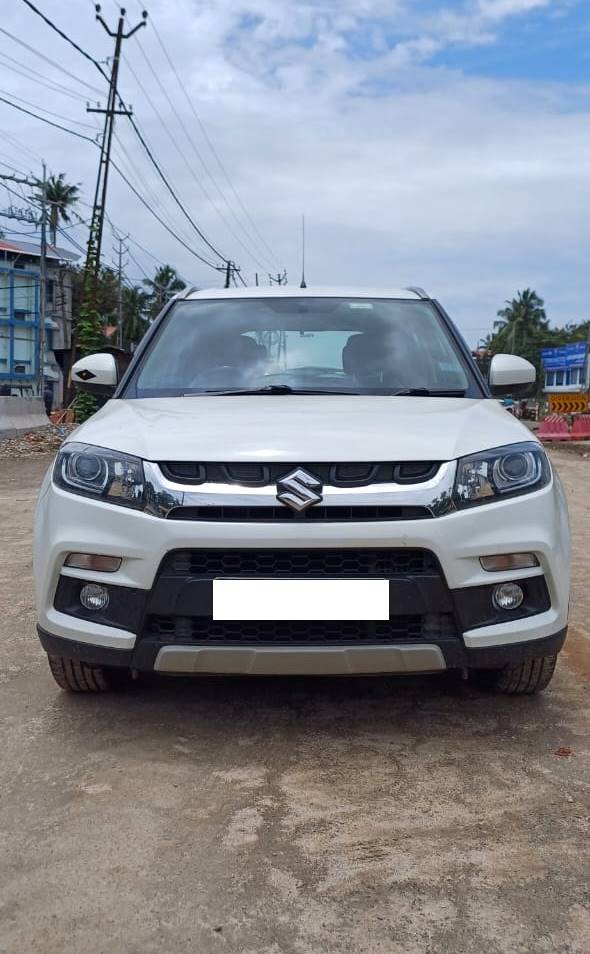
(269,389)
(426,392)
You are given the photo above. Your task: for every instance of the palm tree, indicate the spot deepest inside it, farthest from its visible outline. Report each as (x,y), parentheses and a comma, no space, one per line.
(162,287)
(522,320)
(134,320)
(60,197)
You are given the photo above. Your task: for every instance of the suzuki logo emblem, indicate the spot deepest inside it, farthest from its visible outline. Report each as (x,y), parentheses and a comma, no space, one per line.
(299,490)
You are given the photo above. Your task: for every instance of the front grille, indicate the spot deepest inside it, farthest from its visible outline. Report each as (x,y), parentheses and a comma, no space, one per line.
(297,563)
(360,514)
(254,474)
(197,629)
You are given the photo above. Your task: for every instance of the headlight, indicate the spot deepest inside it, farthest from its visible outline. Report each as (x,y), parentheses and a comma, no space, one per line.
(501,472)
(104,474)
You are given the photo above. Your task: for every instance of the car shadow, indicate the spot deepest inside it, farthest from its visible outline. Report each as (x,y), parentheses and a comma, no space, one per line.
(226,710)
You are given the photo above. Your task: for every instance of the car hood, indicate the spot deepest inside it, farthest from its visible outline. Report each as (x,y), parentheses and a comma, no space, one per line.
(301,428)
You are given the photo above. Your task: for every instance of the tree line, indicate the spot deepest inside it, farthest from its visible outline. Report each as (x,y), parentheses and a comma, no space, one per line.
(522,328)
(140,303)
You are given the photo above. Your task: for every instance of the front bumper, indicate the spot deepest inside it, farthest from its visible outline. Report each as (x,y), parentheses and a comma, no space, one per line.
(430,657)
(535,522)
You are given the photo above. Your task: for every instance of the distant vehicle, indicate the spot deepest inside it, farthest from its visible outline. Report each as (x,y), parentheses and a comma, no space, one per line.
(302,481)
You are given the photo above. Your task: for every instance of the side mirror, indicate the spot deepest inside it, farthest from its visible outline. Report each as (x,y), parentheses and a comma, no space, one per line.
(97,374)
(510,374)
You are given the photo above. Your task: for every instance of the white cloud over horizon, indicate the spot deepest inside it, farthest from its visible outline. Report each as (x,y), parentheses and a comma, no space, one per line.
(408,171)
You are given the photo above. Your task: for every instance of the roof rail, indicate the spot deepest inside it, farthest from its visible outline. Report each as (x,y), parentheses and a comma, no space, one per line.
(418,291)
(186,292)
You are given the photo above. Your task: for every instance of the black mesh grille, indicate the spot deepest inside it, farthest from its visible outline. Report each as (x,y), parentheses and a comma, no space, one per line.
(256,474)
(297,563)
(281,514)
(193,629)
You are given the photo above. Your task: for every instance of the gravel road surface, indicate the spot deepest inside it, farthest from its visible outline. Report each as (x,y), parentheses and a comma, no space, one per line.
(410,816)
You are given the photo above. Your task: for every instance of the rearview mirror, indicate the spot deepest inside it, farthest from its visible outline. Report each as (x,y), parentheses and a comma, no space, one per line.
(510,374)
(97,374)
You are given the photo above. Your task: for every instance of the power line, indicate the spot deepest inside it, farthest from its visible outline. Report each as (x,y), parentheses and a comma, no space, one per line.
(200,159)
(66,119)
(210,143)
(37,77)
(141,138)
(153,197)
(8,165)
(20,145)
(182,154)
(51,62)
(172,192)
(160,220)
(123,176)
(54,26)
(49,122)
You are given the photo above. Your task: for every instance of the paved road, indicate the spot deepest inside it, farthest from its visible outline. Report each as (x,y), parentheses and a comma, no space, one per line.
(289,817)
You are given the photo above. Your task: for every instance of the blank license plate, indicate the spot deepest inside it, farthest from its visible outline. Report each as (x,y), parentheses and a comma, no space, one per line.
(300,599)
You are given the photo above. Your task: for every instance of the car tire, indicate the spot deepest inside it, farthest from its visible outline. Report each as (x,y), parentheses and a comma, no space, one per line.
(528,677)
(75,676)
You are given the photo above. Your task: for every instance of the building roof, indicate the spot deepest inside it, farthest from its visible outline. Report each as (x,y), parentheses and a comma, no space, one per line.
(34,250)
(291,291)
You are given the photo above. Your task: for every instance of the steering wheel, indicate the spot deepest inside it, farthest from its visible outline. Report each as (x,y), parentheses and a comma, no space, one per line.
(211,375)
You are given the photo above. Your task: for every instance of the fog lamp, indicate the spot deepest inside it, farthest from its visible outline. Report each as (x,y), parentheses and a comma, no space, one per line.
(93,596)
(508,561)
(93,561)
(507,596)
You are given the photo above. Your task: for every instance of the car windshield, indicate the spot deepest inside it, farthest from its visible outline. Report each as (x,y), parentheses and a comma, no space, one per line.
(299,344)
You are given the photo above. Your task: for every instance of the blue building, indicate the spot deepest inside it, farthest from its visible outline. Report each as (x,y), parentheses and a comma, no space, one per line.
(20,316)
(566,368)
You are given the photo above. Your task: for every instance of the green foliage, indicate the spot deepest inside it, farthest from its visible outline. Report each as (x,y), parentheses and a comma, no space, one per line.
(60,197)
(95,305)
(103,292)
(161,288)
(523,329)
(135,322)
(84,407)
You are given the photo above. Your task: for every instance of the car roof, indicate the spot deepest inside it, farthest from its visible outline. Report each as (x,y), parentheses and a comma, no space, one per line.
(295,292)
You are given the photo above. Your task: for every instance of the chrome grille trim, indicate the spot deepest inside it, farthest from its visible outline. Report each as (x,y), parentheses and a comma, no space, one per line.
(165,495)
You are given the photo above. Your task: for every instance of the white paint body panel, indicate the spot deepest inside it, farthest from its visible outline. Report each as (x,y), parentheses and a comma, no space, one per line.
(295,428)
(292,429)
(535,522)
(101,366)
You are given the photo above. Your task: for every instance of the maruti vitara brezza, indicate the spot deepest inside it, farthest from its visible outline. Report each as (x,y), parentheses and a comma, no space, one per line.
(302,482)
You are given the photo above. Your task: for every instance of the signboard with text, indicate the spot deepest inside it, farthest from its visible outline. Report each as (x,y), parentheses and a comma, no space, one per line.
(565,357)
(568,403)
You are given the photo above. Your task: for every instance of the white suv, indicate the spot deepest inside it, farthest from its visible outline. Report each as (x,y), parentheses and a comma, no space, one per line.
(309,481)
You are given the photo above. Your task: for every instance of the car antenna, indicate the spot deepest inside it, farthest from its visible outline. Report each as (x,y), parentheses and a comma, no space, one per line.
(303,284)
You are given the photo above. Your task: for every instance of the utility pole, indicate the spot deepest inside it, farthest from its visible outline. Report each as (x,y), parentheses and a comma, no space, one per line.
(25,215)
(231,270)
(281,279)
(89,323)
(122,249)
(43,282)
(100,195)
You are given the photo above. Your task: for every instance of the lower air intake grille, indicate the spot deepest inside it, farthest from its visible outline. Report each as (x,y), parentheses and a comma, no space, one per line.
(378,562)
(196,629)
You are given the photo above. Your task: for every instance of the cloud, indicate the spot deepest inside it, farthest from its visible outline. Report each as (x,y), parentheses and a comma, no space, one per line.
(500,9)
(408,173)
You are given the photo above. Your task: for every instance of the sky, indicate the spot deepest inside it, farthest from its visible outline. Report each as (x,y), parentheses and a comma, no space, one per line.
(440,144)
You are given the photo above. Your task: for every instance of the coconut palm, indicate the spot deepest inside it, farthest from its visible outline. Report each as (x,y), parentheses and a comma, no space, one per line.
(134,320)
(162,287)
(60,196)
(521,321)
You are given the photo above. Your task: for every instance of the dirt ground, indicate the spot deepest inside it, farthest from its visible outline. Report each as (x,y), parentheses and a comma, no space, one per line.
(411,816)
